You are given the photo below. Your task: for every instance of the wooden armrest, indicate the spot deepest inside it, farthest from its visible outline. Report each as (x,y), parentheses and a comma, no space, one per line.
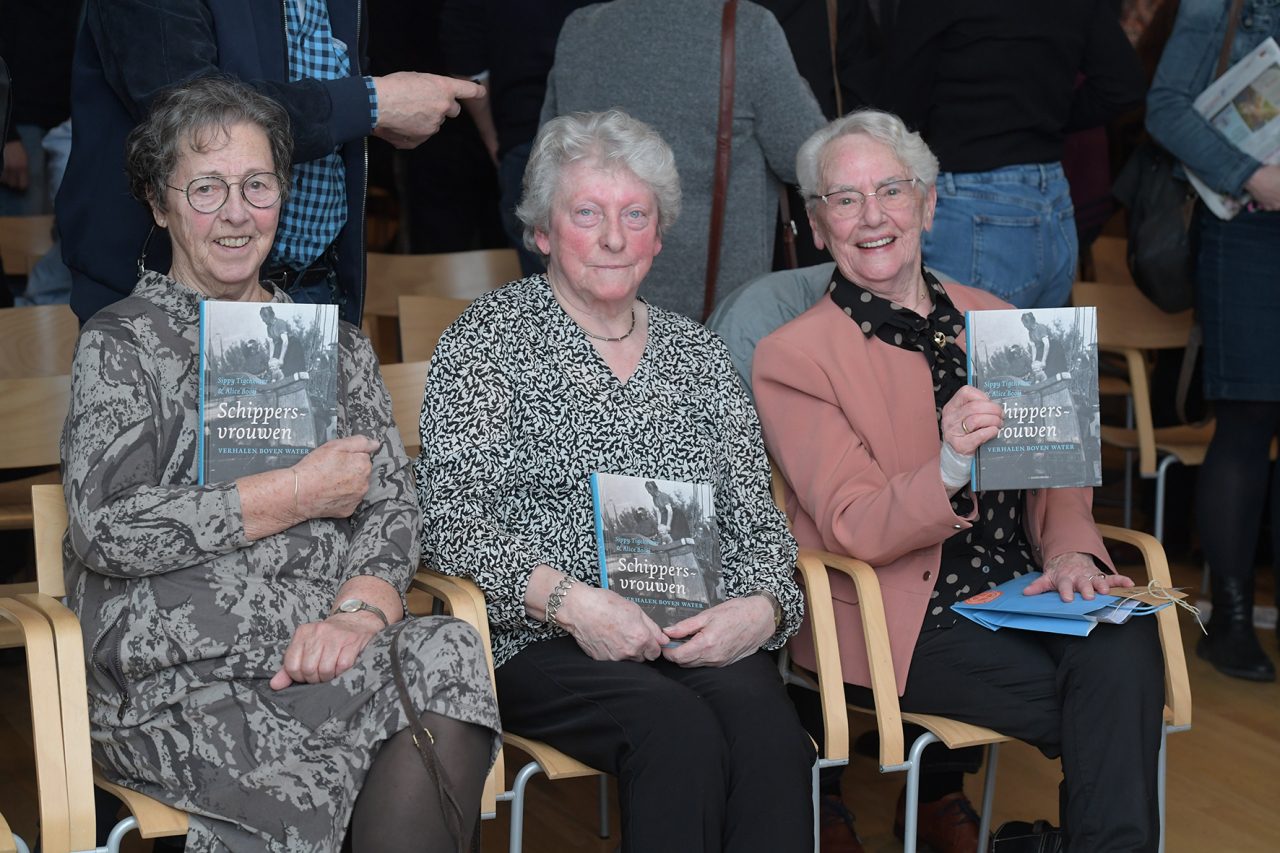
(46,722)
(826,649)
(875,630)
(1177,684)
(464,601)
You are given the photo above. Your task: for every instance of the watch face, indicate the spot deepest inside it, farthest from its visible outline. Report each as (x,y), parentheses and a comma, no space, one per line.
(351,605)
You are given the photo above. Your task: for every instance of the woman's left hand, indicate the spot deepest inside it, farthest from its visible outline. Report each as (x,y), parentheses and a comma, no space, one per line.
(1075,572)
(321,651)
(723,634)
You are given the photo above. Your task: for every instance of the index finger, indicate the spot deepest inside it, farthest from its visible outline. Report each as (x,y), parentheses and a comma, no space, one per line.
(356,444)
(465,89)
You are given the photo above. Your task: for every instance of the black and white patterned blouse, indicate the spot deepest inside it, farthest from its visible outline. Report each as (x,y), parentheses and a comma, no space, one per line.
(520,410)
(995,548)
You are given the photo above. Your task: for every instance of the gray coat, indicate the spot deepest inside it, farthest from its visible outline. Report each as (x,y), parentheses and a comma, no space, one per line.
(659,60)
(185,620)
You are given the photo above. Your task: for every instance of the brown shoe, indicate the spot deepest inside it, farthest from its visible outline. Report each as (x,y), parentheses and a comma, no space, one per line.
(948,825)
(835,827)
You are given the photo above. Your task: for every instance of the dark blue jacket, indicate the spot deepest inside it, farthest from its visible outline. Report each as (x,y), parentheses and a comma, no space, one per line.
(127,51)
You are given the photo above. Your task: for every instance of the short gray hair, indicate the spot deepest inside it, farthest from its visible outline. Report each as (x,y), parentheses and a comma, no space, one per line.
(608,139)
(883,127)
(195,114)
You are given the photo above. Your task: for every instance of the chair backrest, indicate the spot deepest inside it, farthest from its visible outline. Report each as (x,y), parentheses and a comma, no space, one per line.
(1110,263)
(23,240)
(37,340)
(1127,319)
(405,383)
(462,275)
(49,507)
(31,420)
(423,320)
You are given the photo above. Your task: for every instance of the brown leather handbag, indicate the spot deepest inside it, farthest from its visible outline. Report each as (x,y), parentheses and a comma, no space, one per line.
(724,147)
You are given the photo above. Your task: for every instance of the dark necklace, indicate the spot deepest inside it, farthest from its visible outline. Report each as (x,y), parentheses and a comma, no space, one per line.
(621,337)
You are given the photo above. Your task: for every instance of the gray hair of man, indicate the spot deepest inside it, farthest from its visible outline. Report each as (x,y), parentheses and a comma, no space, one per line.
(609,140)
(198,116)
(883,127)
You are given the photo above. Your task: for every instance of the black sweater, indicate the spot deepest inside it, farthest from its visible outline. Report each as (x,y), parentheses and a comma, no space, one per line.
(994,83)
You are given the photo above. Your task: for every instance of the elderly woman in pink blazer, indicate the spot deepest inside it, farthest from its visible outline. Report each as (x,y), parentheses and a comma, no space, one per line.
(866,412)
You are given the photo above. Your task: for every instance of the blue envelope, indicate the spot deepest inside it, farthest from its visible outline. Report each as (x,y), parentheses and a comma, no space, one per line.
(1006,607)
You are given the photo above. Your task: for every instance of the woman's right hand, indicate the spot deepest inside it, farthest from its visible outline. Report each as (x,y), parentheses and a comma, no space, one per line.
(1264,186)
(969,420)
(333,478)
(608,626)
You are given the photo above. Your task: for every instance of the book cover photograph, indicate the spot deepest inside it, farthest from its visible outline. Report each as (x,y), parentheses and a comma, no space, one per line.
(268,385)
(1041,365)
(658,544)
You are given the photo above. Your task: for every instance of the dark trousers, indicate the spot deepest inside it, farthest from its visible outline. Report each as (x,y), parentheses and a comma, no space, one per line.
(1096,701)
(707,759)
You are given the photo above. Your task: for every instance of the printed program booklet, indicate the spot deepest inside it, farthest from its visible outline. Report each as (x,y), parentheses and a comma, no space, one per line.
(1041,365)
(1006,607)
(658,544)
(268,385)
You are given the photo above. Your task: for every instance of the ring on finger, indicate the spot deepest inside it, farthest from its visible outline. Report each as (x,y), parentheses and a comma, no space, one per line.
(1096,575)
(964,425)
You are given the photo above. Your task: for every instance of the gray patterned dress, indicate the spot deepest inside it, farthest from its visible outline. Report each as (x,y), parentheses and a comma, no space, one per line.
(185,620)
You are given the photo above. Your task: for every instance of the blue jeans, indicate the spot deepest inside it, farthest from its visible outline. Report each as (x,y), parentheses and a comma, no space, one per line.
(1010,232)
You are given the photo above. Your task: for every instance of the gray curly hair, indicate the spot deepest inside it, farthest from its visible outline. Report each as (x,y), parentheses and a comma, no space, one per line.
(883,127)
(609,139)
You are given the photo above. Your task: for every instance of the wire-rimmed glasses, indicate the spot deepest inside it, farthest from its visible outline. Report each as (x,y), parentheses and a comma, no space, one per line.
(209,193)
(847,203)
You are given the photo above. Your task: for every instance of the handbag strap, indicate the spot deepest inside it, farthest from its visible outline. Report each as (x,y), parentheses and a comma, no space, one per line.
(832,14)
(1233,21)
(425,742)
(724,145)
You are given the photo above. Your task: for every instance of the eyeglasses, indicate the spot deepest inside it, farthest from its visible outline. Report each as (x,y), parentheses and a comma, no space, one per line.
(209,193)
(846,204)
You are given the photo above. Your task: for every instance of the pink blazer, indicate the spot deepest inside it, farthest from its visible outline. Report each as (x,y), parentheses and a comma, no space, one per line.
(850,421)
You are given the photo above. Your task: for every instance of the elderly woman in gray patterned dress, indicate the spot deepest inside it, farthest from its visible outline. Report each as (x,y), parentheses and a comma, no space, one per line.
(239,633)
(537,386)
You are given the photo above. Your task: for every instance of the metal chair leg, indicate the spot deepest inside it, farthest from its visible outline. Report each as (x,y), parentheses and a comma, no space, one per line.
(119,831)
(1161,470)
(912,816)
(1160,771)
(988,797)
(517,805)
(604,805)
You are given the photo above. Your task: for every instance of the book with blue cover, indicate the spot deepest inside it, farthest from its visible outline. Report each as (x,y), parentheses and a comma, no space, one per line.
(658,544)
(1006,607)
(268,385)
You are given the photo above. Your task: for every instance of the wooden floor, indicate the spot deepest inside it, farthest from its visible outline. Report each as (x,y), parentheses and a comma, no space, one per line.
(1224,774)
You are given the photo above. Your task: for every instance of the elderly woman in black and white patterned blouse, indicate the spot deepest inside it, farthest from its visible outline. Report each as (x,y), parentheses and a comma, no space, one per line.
(550,379)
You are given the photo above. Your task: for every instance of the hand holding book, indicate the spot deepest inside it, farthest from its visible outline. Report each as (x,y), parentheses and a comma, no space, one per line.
(723,634)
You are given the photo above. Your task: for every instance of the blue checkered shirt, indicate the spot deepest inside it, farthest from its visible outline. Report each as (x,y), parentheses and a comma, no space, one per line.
(317,207)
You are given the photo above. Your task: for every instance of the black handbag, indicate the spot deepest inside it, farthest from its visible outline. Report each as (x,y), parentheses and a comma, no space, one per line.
(1018,836)
(1161,254)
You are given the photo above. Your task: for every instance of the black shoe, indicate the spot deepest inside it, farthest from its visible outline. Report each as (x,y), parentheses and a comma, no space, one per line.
(1234,650)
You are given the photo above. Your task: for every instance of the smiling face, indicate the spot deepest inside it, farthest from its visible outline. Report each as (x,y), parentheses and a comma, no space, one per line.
(602,235)
(875,248)
(220,253)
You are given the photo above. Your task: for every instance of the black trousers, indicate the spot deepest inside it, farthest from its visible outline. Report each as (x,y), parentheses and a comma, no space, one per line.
(1097,702)
(707,759)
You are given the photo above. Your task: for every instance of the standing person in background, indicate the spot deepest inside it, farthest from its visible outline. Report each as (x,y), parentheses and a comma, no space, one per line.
(660,61)
(509,45)
(1239,307)
(306,54)
(991,85)
(36,40)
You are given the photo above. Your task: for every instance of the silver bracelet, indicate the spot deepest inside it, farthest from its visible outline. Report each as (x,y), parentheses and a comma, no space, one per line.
(556,598)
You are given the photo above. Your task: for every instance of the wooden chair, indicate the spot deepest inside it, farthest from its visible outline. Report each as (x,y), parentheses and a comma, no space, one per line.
(459,275)
(10,842)
(23,241)
(405,383)
(31,424)
(1130,326)
(462,599)
(66,673)
(423,320)
(37,340)
(813,566)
